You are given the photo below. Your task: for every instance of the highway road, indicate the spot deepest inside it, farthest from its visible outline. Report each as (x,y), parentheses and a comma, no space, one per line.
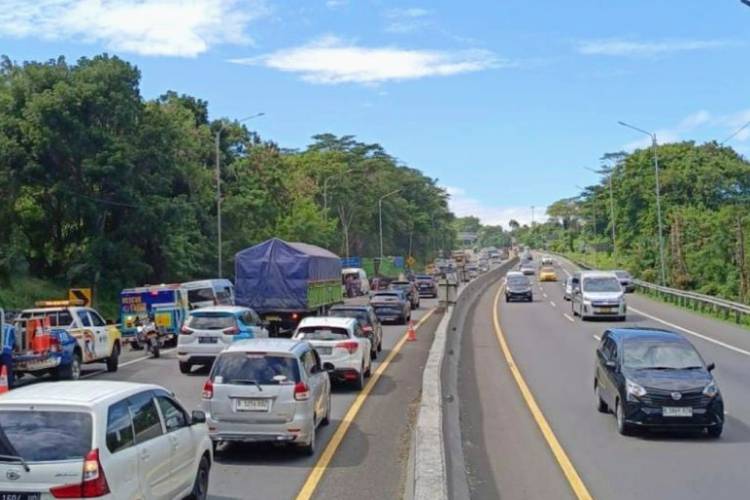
(582,455)
(370,459)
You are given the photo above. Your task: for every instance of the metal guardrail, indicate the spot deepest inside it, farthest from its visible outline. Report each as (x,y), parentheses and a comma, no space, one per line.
(690,300)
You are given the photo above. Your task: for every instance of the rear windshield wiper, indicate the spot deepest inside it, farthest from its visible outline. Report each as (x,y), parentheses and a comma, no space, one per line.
(247,381)
(16,458)
(697,367)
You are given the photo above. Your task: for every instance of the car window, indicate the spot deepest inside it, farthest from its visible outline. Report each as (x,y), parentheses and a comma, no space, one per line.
(96,320)
(201,295)
(119,427)
(249,368)
(322,333)
(44,436)
(145,416)
(174,416)
(248,318)
(604,284)
(308,362)
(224,296)
(84,317)
(211,321)
(661,355)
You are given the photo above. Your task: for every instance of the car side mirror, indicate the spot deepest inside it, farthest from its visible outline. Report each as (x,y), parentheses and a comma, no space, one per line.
(197,417)
(711,367)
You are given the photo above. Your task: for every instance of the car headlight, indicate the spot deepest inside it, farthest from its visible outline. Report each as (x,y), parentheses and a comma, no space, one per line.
(711,390)
(634,389)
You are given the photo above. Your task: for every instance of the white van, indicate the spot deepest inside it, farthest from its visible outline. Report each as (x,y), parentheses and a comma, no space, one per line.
(206,293)
(358,279)
(598,294)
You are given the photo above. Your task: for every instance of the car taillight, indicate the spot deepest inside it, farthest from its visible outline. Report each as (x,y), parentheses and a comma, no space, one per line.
(367,328)
(93,481)
(232,330)
(185,330)
(208,390)
(349,345)
(54,343)
(301,391)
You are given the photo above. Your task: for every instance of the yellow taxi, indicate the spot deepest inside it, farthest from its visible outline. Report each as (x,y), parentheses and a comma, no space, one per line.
(547,273)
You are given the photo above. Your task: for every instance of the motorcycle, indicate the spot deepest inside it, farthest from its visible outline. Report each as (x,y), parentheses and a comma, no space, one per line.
(150,337)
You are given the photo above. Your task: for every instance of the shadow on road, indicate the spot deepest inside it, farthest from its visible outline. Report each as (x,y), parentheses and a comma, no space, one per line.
(735,431)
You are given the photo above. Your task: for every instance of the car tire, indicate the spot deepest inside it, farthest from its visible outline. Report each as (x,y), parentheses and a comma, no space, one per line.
(601,406)
(374,353)
(71,371)
(573,309)
(380,344)
(200,486)
(185,367)
(715,431)
(368,372)
(622,427)
(507,299)
(327,418)
(113,361)
(359,382)
(308,448)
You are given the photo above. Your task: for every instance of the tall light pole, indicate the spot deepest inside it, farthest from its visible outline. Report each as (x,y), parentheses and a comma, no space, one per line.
(611,204)
(654,145)
(325,189)
(532,216)
(736,132)
(217,144)
(380,216)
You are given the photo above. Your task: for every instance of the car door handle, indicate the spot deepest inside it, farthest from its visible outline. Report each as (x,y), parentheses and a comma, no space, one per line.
(145,455)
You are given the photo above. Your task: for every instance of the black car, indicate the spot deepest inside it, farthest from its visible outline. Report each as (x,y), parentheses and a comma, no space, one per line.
(409,288)
(626,281)
(391,305)
(426,285)
(518,287)
(652,378)
(367,319)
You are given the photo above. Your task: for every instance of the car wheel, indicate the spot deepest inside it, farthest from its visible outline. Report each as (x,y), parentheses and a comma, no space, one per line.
(185,367)
(200,487)
(715,431)
(507,299)
(601,406)
(359,382)
(309,447)
(573,309)
(368,372)
(380,345)
(327,419)
(71,371)
(374,353)
(113,360)
(622,427)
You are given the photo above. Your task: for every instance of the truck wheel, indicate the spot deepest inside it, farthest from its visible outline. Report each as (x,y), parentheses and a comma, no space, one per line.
(71,371)
(114,359)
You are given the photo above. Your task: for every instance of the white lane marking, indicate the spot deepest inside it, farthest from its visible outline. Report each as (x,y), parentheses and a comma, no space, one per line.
(691,332)
(131,362)
(544,294)
(552,304)
(569,317)
(597,337)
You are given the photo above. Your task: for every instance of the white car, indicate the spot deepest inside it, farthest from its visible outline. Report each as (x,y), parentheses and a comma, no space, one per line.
(343,347)
(598,294)
(103,439)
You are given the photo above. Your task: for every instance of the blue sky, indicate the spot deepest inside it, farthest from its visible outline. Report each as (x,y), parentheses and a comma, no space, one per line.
(504,101)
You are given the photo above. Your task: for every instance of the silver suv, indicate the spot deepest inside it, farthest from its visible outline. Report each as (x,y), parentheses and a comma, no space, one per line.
(272,390)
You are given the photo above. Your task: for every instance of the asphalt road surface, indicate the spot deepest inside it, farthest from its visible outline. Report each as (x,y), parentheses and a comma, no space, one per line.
(508,456)
(371,457)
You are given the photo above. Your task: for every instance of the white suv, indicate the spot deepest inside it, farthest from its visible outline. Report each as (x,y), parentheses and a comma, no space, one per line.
(110,440)
(342,345)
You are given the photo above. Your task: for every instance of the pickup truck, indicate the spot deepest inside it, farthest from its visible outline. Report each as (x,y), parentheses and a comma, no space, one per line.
(58,339)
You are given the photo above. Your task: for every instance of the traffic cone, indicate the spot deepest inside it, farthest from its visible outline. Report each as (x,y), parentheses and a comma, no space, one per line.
(411,332)
(4,380)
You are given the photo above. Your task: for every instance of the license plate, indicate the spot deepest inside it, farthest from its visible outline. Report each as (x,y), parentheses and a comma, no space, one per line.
(253,404)
(5,495)
(323,351)
(677,411)
(605,309)
(206,340)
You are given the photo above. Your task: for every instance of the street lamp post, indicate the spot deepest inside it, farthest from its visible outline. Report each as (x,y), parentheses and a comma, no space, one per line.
(217,152)
(380,217)
(654,145)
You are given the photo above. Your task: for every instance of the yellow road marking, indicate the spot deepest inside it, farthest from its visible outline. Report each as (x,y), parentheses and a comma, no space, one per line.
(575,481)
(316,474)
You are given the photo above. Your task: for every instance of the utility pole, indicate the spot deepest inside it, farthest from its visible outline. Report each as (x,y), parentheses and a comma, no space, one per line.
(532,216)
(609,174)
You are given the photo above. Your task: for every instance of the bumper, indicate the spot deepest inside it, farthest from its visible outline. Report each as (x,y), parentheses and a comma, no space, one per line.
(519,295)
(196,359)
(644,416)
(594,311)
(297,430)
(389,315)
(427,292)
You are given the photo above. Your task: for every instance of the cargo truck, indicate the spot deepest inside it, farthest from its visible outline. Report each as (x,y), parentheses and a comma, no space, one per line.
(285,282)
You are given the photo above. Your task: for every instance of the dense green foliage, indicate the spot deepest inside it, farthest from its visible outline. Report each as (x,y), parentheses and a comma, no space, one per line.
(705,195)
(100,187)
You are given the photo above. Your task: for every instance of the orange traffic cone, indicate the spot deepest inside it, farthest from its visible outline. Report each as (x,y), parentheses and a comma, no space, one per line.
(4,380)
(411,332)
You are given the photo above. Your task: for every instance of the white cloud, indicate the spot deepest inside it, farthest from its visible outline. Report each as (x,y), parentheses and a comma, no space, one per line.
(183,28)
(407,20)
(464,205)
(336,4)
(620,47)
(330,60)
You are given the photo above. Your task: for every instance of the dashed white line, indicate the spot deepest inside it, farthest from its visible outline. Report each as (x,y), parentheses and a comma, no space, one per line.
(131,362)
(569,317)
(552,304)
(544,295)
(597,337)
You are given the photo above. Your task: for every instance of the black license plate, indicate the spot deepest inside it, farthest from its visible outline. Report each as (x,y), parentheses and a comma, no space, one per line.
(7,495)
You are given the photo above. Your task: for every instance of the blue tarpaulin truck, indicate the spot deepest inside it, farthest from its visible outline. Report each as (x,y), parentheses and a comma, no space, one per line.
(284,282)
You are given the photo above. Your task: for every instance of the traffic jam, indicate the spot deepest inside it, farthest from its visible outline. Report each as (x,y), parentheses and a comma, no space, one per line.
(274,341)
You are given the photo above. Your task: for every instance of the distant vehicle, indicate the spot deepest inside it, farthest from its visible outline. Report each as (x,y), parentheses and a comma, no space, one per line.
(355,282)
(391,305)
(102,439)
(652,378)
(518,287)
(52,352)
(205,293)
(285,282)
(426,285)
(167,304)
(598,294)
(626,281)
(344,349)
(210,330)
(267,390)
(547,273)
(568,288)
(547,261)
(528,268)
(368,320)
(408,287)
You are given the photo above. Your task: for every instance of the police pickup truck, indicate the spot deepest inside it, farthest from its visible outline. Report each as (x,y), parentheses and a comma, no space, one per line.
(57,338)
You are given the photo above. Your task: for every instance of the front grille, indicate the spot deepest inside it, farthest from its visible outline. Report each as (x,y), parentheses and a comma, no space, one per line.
(660,397)
(605,304)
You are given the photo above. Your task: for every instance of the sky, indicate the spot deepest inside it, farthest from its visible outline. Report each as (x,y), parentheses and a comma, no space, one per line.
(505,102)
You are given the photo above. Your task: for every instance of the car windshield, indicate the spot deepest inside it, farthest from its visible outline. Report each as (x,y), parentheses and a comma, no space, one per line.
(401,285)
(386,296)
(45,436)
(252,368)
(322,333)
(603,284)
(211,321)
(660,355)
(201,295)
(360,315)
(518,280)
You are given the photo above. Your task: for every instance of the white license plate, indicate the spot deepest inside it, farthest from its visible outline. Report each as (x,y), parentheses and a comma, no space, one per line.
(605,309)
(323,350)
(253,404)
(207,340)
(677,411)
